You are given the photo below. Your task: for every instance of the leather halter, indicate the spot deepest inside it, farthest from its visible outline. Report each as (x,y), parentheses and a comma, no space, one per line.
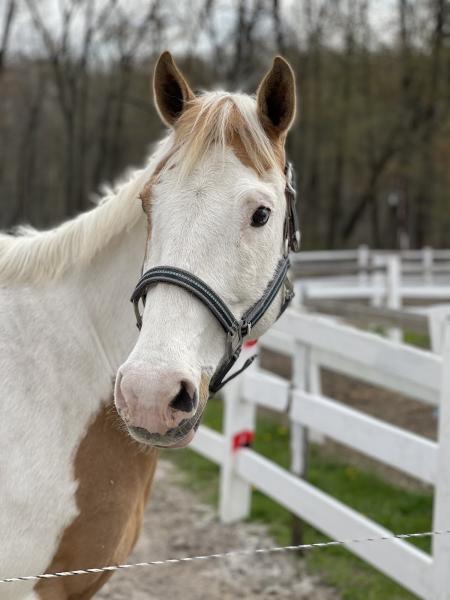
(235,329)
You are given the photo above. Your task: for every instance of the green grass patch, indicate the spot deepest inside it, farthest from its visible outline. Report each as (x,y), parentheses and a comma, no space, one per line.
(397,509)
(421,340)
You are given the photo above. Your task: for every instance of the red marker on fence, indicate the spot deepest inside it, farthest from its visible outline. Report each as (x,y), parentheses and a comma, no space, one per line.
(243,439)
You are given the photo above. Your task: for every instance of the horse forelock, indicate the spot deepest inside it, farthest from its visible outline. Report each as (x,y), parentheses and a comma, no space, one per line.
(221,119)
(218,120)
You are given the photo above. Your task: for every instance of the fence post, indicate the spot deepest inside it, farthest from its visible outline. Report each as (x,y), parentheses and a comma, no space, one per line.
(427,263)
(300,293)
(441,513)
(393,291)
(299,434)
(239,418)
(437,316)
(314,386)
(363,259)
(378,282)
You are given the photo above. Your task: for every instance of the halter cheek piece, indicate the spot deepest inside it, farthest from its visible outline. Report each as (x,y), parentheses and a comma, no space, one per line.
(236,330)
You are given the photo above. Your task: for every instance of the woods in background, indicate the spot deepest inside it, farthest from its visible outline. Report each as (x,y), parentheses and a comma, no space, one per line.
(371,144)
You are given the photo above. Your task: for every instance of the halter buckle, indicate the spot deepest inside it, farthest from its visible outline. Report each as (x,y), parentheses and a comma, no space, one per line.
(235,338)
(245,329)
(234,343)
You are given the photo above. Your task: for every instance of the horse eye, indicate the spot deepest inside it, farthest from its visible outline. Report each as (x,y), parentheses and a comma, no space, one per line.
(260,216)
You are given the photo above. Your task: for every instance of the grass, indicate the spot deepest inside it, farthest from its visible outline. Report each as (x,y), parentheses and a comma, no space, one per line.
(420,340)
(397,509)
(417,339)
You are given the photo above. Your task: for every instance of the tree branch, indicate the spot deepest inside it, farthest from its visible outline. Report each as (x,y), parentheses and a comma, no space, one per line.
(10,13)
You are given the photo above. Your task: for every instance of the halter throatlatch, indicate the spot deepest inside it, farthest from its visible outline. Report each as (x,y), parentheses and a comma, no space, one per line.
(236,330)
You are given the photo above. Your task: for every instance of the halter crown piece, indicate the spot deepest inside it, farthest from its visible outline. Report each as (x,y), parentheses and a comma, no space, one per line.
(235,329)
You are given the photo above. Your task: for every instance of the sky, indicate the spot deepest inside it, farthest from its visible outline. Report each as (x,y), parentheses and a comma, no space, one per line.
(24,39)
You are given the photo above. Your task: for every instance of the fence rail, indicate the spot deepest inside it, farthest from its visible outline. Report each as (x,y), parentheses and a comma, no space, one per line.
(372,315)
(386,443)
(312,342)
(383,281)
(364,254)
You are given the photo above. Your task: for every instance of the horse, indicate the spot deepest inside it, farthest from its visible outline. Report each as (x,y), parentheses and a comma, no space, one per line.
(87,399)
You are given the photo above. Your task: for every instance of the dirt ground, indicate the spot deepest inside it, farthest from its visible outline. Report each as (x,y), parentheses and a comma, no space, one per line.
(178,524)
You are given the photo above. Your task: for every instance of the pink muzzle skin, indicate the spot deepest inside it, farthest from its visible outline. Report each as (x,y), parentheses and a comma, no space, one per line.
(159,407)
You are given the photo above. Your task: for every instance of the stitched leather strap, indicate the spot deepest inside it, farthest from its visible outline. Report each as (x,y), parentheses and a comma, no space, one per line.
(235,330)
(192,284)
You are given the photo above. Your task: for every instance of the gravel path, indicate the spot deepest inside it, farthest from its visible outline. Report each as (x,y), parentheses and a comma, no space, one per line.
(178,524)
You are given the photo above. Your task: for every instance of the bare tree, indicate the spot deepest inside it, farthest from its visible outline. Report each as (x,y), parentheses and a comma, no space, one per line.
(27,154)
(278,26)
(341,134)
(128,51)
(425,197)
(246,22)
(5,37)
(312,102)
(373,114)
(65,82)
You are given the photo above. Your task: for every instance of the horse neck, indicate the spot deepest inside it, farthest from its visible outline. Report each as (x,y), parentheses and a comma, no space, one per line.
(105,288)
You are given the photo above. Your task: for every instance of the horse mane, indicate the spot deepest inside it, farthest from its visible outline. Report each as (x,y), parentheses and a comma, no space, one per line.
(33,256)
(216,119)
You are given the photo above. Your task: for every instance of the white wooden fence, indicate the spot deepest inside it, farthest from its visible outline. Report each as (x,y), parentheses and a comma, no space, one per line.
(425,260)
(313,342)
(380,277)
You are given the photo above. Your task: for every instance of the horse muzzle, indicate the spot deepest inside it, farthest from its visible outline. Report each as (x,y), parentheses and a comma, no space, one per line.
(173,439)
(160,407)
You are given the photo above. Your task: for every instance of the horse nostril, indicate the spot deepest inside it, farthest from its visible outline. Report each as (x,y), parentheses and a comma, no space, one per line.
(183,401)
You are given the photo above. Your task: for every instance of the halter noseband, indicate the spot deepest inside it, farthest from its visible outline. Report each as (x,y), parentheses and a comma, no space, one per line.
(235,330)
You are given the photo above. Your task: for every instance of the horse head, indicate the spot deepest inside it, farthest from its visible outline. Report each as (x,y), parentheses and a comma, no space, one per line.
(218,220)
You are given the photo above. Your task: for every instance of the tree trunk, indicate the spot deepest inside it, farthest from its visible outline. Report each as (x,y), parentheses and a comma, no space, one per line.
(10,13)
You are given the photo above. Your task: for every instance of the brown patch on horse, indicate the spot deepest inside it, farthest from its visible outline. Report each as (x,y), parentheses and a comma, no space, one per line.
(201,125)
(114,477)
(205,122)
(239,149)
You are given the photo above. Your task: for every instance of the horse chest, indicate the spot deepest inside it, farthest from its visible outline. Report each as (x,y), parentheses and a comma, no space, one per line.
(90,517)
(114,477)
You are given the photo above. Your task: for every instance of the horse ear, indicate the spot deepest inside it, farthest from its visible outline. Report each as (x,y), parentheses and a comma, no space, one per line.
(276,98)
(170,89)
